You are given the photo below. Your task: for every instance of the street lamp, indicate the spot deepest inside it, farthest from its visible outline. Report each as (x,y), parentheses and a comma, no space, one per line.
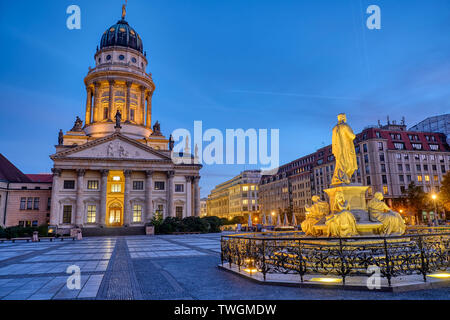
(434,197)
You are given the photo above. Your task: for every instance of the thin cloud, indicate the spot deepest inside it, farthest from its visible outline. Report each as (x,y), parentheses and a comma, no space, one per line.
(302,95)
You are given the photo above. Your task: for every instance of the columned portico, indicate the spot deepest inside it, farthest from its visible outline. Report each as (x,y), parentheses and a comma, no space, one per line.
(148,194)
(79,215)
(170,175)
(196,196)
(88,106)
(127,207)
(54,219)
(103,189)
(111,100)
(149,110)
(188,195)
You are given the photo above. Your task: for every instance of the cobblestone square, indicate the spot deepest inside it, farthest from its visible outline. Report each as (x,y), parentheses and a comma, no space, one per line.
(141,267)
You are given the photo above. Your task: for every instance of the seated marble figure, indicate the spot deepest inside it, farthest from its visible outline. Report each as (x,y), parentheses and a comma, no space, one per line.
(342,223)
(393,223)
(314,214)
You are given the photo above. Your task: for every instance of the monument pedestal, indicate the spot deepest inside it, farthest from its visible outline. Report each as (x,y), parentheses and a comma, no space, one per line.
(356,197)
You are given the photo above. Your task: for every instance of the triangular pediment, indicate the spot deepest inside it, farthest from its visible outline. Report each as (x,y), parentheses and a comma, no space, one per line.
(115,146)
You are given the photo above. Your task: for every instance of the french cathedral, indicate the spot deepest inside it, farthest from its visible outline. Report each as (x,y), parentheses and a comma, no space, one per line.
(117,170)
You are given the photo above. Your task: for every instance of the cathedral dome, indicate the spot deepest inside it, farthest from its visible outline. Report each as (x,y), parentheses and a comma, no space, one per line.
(122,35)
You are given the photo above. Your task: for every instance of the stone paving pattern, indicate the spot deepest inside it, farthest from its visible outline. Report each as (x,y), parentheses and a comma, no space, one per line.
(140,267)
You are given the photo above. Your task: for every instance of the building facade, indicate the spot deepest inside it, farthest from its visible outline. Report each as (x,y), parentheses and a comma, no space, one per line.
(235,197)
(118,170)
(203,209)
(24,198)
(389,158)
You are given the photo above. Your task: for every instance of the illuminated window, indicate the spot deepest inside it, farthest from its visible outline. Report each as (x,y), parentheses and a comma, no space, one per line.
(92,185)
(91,214)
(116,188)
(245,188)
(385,190)
(245,201)
(427,178)
(435,178)
(116,178)
(252,188)
(137,213)
(419,178)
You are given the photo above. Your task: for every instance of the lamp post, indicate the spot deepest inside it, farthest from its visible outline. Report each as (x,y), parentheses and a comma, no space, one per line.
(434,197)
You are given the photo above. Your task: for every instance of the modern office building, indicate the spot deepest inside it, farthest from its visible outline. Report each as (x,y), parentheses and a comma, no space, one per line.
(435,124)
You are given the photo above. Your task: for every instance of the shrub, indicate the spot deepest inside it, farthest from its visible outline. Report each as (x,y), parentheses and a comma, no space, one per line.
(214,222)
(156,221)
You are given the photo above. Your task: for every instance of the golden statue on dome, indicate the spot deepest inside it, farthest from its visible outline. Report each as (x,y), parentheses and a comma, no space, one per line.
(344,152)
(124,10)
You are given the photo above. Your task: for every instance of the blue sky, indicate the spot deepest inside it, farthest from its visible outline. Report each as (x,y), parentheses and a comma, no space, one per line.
(290,65)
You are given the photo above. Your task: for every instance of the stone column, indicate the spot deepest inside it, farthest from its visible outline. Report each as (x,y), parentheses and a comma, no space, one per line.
(87,120)
(196,196)
(101,219)
(149,110)
(79,206)
(189,212)
(170,175)
(128,100)
(127,212)
(96,101)
(54,208)
(111,100)
(142,108)
(148,196)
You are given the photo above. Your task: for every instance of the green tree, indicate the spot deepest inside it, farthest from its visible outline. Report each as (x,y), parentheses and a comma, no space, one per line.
(416,199)
(444,194)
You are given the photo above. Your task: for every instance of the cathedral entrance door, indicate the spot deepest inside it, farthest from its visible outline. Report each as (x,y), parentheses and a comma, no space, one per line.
(115,217)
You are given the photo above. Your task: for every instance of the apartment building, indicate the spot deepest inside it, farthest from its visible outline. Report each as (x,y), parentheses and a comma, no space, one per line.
(235,197)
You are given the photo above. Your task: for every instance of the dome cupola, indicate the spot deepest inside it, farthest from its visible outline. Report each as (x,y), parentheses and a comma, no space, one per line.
(122,35)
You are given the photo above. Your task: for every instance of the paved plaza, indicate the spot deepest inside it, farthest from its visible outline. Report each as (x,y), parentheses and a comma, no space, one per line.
(141,267)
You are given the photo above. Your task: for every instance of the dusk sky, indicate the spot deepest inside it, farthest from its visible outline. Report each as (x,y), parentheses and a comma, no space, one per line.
(288,65)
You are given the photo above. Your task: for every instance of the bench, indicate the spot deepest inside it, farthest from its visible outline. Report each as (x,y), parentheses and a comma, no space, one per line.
(3,240)
(47,238)
(66,237)
(21,239)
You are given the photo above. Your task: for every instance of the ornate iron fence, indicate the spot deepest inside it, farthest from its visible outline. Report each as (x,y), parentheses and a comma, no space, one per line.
(293,253)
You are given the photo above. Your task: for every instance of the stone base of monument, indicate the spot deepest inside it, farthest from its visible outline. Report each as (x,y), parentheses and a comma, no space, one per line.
(355,195)
(364,229)
(361,283)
